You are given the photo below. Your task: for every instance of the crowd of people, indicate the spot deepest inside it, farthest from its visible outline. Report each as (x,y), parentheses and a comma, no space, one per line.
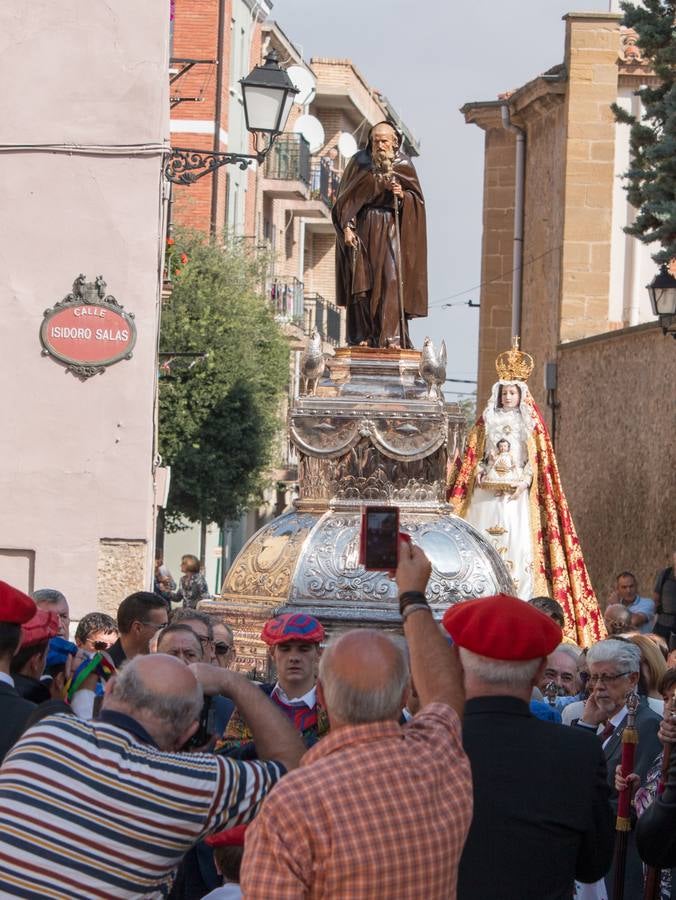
(480,759)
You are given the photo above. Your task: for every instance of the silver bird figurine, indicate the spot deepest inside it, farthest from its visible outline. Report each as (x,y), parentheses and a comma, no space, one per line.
(312,364)
(433,368)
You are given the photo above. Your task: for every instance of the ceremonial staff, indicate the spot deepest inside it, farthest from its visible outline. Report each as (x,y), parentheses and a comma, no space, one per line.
(389,171)
(623,820)
(651,889)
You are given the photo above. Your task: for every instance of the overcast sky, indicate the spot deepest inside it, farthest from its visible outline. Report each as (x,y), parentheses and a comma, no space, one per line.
(429,59)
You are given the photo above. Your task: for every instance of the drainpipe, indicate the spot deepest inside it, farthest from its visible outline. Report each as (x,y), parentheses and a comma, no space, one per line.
(634,248)
(517,254)
(218,113)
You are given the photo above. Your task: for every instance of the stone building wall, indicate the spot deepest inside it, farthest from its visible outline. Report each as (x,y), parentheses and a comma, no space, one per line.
(543,226)
(592,52)
(616,452)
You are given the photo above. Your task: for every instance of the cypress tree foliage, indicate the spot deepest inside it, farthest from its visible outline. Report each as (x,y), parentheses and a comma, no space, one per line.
(650,181)
(219,419)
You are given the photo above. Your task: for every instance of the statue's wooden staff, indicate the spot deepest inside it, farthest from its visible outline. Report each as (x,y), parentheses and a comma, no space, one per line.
(623,820)
(653,876)
(389,172)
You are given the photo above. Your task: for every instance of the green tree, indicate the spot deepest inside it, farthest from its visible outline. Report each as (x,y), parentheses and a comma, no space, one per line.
(650,181)
(218,419)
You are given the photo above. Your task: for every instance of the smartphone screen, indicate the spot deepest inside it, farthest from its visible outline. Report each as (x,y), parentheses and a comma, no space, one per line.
(381,534)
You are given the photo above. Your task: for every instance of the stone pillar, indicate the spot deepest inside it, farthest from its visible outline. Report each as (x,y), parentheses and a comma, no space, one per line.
(591,58)
(497,242)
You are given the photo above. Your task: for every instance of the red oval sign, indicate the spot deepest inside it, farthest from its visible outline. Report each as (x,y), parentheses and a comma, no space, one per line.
(89,334)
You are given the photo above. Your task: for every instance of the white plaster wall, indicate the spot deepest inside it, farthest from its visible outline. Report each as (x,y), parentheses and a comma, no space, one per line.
(631,266)
(76,458)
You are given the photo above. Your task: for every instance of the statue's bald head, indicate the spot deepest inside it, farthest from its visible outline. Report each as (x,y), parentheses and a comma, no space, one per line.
(364,677)
(159,691)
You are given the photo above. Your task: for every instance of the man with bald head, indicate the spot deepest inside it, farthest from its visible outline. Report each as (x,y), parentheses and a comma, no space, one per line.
(153,802)
(369,260)
(376,809)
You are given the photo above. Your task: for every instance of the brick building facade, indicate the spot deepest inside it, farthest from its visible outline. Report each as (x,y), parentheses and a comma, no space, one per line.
(283,204)
(585,310)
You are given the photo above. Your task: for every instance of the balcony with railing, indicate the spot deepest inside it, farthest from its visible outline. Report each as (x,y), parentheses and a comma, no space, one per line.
(323,316)
(324,181)
(286,171)
(287,300)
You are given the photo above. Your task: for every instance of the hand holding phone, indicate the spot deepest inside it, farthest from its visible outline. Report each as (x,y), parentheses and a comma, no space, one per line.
(414,568)
(379,543)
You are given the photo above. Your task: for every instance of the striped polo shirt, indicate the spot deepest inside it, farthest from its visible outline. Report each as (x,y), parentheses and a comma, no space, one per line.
(88,810)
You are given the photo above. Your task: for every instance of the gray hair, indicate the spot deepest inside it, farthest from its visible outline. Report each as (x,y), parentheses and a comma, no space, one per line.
(173,713)
(356,706)
(571,650)
(48,595)
(187,614)
(515,674)
(622,654)
(619,609)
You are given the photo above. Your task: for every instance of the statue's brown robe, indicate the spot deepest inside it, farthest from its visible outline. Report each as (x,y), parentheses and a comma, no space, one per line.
(366,204)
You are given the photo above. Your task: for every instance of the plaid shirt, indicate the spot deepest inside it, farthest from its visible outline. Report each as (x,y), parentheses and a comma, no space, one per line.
(374,811)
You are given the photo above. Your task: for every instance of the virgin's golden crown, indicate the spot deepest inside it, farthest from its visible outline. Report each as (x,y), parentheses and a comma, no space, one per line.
(514,365)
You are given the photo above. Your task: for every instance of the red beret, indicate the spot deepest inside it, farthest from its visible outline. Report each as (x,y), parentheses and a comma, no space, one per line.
(43,626)
(292,627)
(15,606)
(502,627)
(231,837)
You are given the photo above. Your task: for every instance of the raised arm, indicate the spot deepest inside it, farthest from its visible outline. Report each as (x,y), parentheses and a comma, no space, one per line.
(275,737)
(435,667)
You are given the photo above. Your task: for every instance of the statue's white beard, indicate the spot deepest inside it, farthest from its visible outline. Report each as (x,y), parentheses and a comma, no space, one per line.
(383,158)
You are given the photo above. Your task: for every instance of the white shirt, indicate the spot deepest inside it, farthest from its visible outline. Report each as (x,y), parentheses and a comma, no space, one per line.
(229,891)
(309,699)
(7,679)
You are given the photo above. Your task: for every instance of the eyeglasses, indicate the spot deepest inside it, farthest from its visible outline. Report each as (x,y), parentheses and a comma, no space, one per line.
(604,679)
(222,649)
(154,625)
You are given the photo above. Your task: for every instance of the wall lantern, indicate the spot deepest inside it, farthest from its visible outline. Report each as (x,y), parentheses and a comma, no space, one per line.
(662,291)
(267,94)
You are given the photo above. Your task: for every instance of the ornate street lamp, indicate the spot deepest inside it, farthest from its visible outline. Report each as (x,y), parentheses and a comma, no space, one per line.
(267,93)
(662,291)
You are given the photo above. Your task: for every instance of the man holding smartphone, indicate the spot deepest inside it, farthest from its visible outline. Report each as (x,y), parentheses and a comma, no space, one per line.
(376,808)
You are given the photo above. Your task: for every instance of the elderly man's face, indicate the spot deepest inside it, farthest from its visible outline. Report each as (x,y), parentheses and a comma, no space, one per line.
(383,142)
(562,670)
(202,631)
(224,648)
(184,645)
(60,607)
(610,684)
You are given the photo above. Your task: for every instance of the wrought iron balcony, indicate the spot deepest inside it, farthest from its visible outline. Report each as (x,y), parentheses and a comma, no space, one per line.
(323,316)
(287,300)
(324,181)
(289,159)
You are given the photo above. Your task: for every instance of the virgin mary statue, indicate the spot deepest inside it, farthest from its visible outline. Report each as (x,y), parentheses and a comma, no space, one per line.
(507,486)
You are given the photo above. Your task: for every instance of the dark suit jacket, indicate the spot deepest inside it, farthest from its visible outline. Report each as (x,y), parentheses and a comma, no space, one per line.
(647,750)
(541,811)
(656,829)
(117,654)
(14,712)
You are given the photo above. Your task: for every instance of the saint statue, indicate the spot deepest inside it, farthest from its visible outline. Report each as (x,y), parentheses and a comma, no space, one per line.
(507,486)
(381,244)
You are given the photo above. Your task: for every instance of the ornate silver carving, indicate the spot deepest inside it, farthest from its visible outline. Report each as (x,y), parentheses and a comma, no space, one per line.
(365,473)
(369,434)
